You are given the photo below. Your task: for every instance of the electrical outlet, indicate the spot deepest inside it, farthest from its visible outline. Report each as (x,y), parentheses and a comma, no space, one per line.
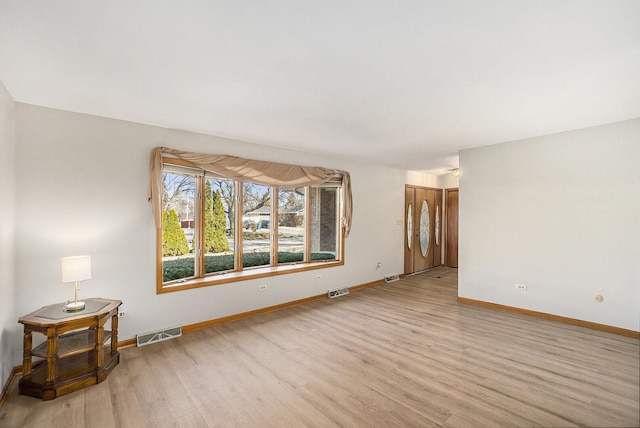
(262,287)
(521,287)
(120,314)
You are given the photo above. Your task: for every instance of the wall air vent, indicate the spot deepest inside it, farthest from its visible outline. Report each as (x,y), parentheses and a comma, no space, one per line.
(158,336)
(337,293)
(391,278)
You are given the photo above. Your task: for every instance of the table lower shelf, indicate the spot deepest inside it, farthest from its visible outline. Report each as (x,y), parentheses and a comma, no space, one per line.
(75,372)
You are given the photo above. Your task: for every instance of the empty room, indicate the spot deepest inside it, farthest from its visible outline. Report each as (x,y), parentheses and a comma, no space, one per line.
(318,214)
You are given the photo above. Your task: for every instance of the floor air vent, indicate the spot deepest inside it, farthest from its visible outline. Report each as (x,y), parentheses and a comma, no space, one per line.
(158,336)
(338,293)
(391,278)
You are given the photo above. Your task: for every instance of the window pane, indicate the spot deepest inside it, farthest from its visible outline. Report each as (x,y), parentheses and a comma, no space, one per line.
(219,225)
(324,223)
(178,226)
(291,225)
(256,221)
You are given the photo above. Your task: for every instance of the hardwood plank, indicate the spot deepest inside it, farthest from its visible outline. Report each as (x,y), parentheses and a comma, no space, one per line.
(399,354)
(98,405)
(125,407)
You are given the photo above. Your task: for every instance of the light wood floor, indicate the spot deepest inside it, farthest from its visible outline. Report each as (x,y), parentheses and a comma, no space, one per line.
(404,354)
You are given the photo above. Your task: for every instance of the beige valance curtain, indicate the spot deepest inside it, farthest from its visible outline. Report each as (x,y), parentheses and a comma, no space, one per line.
(260,172)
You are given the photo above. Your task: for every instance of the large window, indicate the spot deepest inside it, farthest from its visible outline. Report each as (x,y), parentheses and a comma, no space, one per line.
(291,225)
(217,230)
(178,225)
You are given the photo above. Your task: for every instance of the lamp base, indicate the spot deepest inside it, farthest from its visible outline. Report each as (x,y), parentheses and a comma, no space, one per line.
(74,307)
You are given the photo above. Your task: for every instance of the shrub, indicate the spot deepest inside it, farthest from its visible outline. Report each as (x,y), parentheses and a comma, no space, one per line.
(183,268)
(174,241)
(255,235)
(215,231)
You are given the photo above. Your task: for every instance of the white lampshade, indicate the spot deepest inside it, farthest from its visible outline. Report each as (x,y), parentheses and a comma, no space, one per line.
(76,268)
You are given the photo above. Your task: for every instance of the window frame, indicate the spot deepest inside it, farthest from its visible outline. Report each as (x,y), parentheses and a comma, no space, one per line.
(239,273)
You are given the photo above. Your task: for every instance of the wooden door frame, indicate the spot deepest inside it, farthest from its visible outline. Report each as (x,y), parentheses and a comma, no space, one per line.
(445,261)
(408,252)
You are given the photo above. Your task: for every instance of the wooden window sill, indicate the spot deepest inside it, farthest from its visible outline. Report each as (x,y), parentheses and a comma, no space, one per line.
(247,274)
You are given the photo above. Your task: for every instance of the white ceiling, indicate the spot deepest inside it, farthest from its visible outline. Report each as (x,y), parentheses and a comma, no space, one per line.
(400,83)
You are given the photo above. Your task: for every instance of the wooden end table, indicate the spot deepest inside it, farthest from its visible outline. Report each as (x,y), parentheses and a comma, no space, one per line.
(74,355)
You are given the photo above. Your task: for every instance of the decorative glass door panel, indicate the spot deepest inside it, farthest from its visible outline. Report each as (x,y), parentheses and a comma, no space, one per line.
(437,237)
(409,227)
(425,228)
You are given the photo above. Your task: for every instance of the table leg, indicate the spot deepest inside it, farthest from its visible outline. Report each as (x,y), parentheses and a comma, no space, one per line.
(99,335)
(52,355)
(114,333)
(26,353)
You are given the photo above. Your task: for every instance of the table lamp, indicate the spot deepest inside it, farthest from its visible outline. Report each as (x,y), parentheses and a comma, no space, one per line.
(75,269)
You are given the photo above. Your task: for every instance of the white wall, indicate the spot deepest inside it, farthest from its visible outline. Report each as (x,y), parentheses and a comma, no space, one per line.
(442,181)
(418,179)
(561,214)
(448,181)
(82,189)
(8,325)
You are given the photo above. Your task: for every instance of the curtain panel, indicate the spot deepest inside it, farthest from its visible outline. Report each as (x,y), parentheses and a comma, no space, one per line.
(259,172)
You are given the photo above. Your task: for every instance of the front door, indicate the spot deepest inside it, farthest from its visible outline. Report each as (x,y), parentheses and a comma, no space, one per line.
(422,232)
